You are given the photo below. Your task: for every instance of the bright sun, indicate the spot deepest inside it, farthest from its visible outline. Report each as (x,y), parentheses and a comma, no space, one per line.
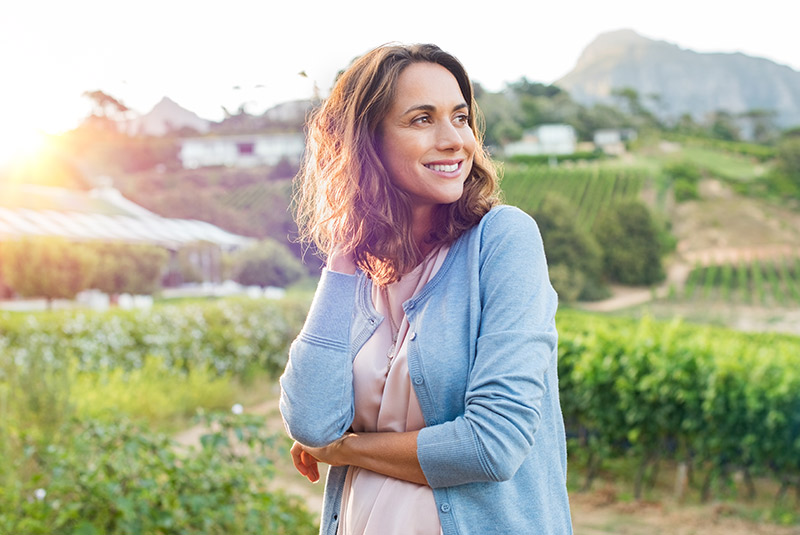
(20,144)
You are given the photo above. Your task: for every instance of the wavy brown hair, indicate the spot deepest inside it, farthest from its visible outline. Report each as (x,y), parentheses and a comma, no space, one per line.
(343,195)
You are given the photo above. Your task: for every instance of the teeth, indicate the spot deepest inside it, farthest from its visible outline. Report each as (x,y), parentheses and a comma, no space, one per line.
(443,168)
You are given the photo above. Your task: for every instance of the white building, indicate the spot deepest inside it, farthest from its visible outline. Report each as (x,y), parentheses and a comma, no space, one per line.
(612,140)
(242,150)
(544,139)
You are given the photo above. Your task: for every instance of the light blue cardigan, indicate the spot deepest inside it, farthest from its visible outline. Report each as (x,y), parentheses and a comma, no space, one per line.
(482,360)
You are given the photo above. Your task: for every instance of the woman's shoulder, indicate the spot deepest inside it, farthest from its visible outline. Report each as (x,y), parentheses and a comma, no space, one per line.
(504,219)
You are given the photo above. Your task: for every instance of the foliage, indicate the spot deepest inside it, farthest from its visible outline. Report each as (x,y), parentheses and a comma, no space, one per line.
(753,150)
(589,189)
(52,268)
(684,176)
(120,478)
(542,159)
(69,380)
(787,166)
(773,283)
(631,244)
(267,263)
(573,256)
(128,268)
(713,398)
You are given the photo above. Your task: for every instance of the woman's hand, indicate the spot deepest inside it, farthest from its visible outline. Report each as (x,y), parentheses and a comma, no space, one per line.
(306,458)
(305,463)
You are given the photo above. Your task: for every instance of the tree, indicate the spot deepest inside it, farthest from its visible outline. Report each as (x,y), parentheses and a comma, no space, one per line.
(52,268)
(631,244)
(106,106)
(573,256)
(128,268)
(267,263)
(785,177)
(723,126)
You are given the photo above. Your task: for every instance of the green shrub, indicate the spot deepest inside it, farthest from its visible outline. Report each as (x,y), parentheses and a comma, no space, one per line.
(267,263)
(119,478)
(573,255)
(52,268)
(631,244)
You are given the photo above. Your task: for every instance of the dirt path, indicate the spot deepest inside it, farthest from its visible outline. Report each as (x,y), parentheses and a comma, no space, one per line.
(594,513)
(628,296)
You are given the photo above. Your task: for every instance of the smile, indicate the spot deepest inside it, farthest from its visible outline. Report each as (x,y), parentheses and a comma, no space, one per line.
(443,168)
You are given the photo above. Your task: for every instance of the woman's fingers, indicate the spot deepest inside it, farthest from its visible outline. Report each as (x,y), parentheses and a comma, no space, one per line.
(305,463)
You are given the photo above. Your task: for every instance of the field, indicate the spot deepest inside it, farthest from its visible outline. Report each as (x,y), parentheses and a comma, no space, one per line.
(588,188)
(98,390)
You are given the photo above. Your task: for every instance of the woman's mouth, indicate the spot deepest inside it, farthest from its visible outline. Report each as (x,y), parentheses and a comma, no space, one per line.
(444,167)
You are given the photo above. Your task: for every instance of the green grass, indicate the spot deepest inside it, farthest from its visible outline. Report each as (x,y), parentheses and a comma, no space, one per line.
(723,164)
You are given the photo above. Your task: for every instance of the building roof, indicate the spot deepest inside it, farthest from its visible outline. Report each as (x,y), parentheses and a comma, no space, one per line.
(105,215)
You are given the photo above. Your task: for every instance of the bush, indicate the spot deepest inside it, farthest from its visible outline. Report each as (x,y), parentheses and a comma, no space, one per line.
(52,268)
(128,268)
(684,176)
(631,244)
(268,263)
(120,478)
(573,256)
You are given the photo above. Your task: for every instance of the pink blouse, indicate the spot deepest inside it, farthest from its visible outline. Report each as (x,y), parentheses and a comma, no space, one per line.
(374,504)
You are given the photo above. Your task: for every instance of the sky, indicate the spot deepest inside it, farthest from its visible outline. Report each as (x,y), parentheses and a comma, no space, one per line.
(232,53)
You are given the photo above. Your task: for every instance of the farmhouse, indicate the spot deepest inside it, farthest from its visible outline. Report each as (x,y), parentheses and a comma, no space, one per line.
(544,139)
(612,140)
(242,150)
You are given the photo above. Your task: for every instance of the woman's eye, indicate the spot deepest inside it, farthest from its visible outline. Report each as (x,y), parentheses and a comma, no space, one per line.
(422,119)
(462,118)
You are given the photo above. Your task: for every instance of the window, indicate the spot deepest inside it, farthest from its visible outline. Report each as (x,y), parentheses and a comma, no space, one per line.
(246,149)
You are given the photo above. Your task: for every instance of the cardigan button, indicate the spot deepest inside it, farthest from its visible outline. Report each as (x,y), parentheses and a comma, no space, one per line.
(418,380)
(372,321)
(414,335)
(445,507)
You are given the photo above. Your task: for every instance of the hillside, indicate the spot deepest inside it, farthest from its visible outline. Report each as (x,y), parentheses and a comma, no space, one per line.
(686,81)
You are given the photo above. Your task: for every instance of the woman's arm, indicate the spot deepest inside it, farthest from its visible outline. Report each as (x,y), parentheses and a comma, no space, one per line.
(317,385)
(390,454)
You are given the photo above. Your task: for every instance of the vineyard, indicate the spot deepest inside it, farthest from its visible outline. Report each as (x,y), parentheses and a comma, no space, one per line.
(588,188)
(772,283)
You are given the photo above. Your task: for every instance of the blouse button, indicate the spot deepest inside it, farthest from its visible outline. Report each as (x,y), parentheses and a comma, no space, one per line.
(445,507)
(418,380)
(414,335)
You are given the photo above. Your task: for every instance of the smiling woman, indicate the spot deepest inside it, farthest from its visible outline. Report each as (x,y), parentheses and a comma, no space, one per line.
(425,374)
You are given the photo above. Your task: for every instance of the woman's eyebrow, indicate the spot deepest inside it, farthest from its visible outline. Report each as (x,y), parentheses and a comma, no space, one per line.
(430,107)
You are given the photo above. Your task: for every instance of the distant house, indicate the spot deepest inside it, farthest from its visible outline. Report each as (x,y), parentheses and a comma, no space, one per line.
(612,140)
(544,139)
(242,150)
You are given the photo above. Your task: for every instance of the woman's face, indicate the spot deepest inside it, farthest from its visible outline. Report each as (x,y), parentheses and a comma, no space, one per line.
(426,142)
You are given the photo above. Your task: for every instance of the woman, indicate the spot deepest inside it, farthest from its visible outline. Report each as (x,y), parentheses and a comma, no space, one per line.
(425,373)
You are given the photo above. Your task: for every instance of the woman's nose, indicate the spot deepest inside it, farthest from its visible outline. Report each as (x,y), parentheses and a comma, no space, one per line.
(448,137)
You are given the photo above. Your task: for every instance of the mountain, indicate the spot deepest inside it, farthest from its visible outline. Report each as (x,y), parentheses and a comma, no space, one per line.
(165,116)
(685,81)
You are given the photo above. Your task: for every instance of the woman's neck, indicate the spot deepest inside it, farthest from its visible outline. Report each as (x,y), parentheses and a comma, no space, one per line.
(421,226)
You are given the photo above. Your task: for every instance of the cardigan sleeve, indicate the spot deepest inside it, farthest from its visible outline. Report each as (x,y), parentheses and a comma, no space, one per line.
(317,385)
(516,347)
